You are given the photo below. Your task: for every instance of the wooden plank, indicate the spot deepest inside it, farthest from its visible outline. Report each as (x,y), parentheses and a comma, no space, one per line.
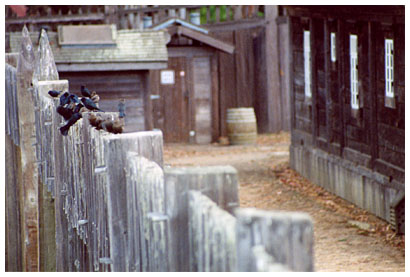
(207,39)
(272,70)
(29,175)
(284,53)
(328,81)
(286,236)
(147,144)
(147,104)
(61,224)
(13,256)
(291,61)
(372,30)
(260,98)
(148,248)
(219,183)
(341,53)
(215,98)
(56,19)
(314,24)
(212,237)
(202,99)
(227,81)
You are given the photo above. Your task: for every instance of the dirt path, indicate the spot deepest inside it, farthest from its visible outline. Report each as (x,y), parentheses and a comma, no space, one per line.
(266,182)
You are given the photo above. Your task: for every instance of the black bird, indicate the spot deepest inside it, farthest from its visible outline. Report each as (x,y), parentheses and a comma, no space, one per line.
(65,112)
(85,92)
(54,93)
(121,108)
(89,104)
(78,108)
(74,98)
(74,118)
(64,99)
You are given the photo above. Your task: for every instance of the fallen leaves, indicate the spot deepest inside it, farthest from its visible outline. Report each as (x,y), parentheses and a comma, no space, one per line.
(329,201)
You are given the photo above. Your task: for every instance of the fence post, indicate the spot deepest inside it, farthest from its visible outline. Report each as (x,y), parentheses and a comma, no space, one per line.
(212,238)
(286,236)
(61,222)
(28,181)
(12,227)
(45,70)
(148,145)
(219,183)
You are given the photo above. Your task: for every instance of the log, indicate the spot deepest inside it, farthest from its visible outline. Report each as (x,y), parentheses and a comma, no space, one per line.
(219,183)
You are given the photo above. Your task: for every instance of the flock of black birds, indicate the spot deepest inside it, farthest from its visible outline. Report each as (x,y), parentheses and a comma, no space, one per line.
(71,108)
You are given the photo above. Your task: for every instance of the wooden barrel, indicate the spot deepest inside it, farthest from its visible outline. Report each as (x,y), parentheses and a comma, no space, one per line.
(241,126)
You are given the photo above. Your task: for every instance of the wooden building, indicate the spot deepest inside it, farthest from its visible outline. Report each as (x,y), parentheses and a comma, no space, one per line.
(186,94)
(255,75)
(114,63)
(347,103)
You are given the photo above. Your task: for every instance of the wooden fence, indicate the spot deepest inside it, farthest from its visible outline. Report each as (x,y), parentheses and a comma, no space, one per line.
(96,201)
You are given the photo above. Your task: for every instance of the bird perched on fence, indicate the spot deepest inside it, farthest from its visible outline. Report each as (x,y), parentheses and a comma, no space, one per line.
(54,93)
(64,99)
(121,108)
(73,119)
(85,91)
(107,125)
(74,98)
(95,120)
(65,112)
(95,97)
(118,126)
(89,104)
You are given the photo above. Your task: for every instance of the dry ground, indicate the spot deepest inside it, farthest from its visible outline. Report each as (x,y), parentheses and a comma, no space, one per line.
(267,182)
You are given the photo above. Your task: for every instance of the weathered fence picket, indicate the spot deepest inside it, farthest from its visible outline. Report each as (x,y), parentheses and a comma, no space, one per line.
(217,182)
(95,201)
(212,243)
(286,236)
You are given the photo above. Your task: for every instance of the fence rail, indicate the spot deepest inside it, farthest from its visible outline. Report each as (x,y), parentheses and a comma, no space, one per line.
(95,201)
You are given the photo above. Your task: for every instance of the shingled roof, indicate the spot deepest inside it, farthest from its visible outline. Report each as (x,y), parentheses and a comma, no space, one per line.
(131,47)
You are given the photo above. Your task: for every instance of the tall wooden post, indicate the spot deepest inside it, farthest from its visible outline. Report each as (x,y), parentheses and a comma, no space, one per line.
(341,52)
(272,70)
(373,93)
(28,184)
(45,70)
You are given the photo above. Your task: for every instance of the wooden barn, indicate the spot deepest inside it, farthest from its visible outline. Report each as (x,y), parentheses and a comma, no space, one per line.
(114,63)
(347,103)
(186,94)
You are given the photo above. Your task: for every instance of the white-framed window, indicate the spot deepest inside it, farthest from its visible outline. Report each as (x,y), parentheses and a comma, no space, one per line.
(333,47)
(307,59)
(354,78)
(389,67)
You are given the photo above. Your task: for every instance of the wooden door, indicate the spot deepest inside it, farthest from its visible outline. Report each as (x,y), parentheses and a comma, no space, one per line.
(170,102)
(202,102)
(182,98)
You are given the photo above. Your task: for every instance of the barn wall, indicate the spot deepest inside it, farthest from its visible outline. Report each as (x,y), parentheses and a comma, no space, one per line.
(358,155)
(111,86)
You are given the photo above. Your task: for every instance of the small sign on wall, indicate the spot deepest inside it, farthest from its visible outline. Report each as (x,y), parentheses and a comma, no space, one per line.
(167,77)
